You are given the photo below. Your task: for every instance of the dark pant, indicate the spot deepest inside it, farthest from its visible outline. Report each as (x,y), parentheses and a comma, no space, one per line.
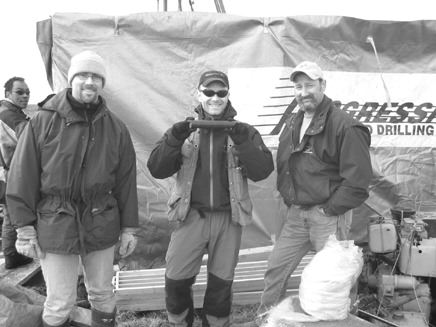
(9,234)
(216,234)
(216,307)
(179,302)
(218,297)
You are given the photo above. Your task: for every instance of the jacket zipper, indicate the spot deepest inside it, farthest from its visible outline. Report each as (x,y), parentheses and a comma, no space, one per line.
(84,159)
(211,170)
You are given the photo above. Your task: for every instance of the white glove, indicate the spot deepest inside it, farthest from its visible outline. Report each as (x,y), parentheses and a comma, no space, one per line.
(27,242)
(128,241)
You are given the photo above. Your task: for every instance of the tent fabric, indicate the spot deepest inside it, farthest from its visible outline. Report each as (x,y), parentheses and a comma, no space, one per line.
(154,61)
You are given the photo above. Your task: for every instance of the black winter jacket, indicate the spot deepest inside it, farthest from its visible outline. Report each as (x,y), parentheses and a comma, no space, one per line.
(331,166)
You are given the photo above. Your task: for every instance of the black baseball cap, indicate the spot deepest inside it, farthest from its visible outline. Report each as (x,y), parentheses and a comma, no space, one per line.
(213,76)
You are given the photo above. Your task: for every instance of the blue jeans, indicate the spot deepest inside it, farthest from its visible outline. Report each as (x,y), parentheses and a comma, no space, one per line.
(60,275)
(303,230)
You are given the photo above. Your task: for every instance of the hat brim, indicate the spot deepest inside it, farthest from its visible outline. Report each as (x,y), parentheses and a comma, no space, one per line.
(311,76)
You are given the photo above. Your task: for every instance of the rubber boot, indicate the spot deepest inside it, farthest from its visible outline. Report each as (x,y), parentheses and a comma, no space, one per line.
(102,319)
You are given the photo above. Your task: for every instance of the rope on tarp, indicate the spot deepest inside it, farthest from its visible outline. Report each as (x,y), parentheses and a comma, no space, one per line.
(370,40)
(116,26)
(179,5)
(220,6)
(191,4)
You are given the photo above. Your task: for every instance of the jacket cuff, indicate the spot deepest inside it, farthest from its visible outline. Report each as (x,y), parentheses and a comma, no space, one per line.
(173,141)
(130,230)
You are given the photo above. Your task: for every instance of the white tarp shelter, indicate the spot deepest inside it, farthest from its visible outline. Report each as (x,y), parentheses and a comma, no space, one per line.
(155,60)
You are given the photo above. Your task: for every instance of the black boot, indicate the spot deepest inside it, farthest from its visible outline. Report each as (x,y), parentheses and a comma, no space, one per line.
(102,319)
(15,260)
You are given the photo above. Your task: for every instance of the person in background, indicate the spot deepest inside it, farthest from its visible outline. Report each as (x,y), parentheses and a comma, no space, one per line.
(72,193)
(210,201)
(323,171)
(12,122)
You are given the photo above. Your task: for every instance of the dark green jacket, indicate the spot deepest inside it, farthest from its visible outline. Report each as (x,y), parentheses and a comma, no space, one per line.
(75,180)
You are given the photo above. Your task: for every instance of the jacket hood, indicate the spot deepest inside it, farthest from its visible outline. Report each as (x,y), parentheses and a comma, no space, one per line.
(10,105)
(60,104)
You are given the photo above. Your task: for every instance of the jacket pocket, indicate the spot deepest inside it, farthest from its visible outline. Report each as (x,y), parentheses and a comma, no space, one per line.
(317,172)
(103,228)
(174,208)
(57,230)
(245,208)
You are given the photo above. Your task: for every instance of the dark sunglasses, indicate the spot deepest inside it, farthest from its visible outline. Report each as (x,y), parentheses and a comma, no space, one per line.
(210,93)
(20,92)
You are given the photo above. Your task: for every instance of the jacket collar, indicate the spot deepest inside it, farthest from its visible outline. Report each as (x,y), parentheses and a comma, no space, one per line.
(62,106)
(11,106)
(321,113)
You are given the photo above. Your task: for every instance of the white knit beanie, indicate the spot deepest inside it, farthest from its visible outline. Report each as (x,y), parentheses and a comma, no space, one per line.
(87,62)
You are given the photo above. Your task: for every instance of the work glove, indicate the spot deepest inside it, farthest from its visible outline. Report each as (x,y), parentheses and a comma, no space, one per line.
(128,241)
(182,129)
(27,243)
(239,133)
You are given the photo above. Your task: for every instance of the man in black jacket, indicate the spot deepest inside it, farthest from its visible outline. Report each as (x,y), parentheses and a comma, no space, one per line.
(12,122)
(323,171)
(210,200)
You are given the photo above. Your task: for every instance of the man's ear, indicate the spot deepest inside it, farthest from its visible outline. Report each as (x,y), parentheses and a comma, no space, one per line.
(323,84)
(8,94)
(198,94)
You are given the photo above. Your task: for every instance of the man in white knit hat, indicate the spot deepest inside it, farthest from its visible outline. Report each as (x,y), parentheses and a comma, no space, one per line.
(72,193)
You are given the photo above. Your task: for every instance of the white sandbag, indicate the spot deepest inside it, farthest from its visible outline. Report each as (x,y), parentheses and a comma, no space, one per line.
(327,280)
(287,313)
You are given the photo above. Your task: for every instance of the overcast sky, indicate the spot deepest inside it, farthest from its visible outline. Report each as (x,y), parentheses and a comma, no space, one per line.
(20,55)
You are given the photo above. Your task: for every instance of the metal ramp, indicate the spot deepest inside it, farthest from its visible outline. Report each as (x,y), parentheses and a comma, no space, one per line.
(143,290)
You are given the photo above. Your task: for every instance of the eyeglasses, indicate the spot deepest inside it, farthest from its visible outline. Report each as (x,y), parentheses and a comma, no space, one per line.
(21,92)
(85,76)
(210,93)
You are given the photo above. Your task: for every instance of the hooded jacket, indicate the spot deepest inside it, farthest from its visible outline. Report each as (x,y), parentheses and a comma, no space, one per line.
(330,167)
(12,122)
(13,117)
(73,178)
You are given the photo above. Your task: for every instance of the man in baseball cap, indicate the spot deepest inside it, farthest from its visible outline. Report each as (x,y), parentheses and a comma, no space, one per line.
(214,76)
(72,193)
(323,172)
(309,68)
(210,202)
